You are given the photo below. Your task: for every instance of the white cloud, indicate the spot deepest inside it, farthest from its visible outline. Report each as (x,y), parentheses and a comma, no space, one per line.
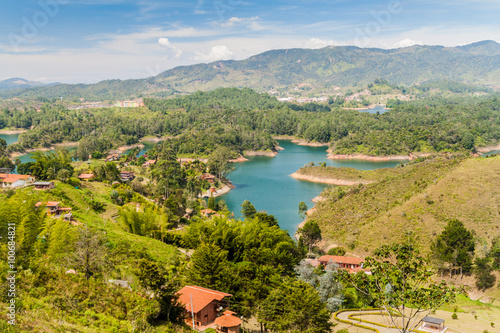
(234,20)
(317,43)
(165,42)
(407,42)
(217,52)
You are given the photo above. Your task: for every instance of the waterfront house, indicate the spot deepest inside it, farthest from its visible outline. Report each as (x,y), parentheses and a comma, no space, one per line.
(86,176)
(209,177)
(44,185)
(207,212)
(202,304)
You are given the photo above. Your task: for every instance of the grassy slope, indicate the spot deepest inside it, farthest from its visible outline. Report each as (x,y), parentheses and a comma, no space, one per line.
(419,198)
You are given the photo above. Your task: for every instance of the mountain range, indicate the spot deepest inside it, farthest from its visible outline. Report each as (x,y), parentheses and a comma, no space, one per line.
(343,66)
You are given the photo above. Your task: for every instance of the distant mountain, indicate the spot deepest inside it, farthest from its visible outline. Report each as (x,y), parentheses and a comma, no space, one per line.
(18,83)
(477,63)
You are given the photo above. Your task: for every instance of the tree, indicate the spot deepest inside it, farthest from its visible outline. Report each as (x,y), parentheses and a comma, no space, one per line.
(248,210)
(90,254)
(325,282)
(310,234)
(294,306)
(337,251)
(455,245)
(401,284)
(302,209)
(209,266)
(218,162)
(484,278)
(63,175)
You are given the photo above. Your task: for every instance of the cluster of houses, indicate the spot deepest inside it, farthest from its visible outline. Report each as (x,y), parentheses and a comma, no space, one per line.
(13,181)
(207,308)
(351,264)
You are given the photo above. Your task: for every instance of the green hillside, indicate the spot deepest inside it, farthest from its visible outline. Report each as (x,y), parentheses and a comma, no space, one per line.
(344,66)
(420,198)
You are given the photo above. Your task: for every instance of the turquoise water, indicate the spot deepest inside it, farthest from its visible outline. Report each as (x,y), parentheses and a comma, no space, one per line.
(10,138)
(266,182)
(378,108)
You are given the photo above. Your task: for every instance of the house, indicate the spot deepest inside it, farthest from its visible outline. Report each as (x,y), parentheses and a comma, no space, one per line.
(207,212)
(202,303)
(86,176)
(14,181)
(430,324)
(54,210)
(352,264)
(44,185)
(209,177)
(130,104)
(149,163)
(126,176)
(112,157)
(228,322)
(313,262)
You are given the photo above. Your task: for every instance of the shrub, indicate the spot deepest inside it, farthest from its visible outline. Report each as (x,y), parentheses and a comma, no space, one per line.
(454,316)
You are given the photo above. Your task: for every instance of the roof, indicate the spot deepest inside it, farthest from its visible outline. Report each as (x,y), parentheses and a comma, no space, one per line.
(201,297)
(341,260)
(433,320)
(208,211)
(313,262)
(228,320)
(12,178)
(43,183)
(48,203)
(86,175)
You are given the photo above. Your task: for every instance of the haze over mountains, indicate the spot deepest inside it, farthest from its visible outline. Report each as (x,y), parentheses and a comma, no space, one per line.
(477,63)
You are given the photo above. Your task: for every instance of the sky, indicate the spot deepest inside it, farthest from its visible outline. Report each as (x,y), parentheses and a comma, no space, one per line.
(86,41)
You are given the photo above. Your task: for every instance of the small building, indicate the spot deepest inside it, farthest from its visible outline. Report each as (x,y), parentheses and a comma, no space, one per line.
(209,177)
(112,157)
(149,163)
(126,176)
(207,212)
(430,324)
(44,185)
(54,210)
(205,304)
(352,264)
(86,176)
(228,322)
(14,181)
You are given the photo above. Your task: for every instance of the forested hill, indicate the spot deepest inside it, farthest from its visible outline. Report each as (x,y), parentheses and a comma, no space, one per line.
(477,63)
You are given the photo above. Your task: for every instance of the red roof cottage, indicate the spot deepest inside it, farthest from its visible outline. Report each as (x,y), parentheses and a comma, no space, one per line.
(228,322)
(352,264)
(204,303)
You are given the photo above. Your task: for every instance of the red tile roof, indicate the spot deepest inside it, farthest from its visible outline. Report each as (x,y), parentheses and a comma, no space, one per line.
(201,297)
(86,176)
(48,203)
(12,178)
(341,260)
(228,320)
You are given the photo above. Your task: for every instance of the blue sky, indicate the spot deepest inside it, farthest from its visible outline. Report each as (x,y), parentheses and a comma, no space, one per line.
(92,40)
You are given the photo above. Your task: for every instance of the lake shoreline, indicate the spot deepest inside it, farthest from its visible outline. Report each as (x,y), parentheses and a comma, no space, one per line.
(12,132)
(252,153)
(328,180)
(300,141)
(490,148)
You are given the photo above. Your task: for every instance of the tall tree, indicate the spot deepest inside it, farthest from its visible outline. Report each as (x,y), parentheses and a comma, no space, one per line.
(310,234)
(401,284)
(302,209)
(218,161)
(294,307)
(90,254)
(455,245)
(248,210)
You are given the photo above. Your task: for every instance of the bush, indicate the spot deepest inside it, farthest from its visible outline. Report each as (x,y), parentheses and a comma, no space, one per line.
(344,330)
(337,251)
(75,182)
(454,316)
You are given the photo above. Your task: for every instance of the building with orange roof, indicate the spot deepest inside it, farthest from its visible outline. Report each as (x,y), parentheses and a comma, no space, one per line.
(228,322)
(86,176)
(352,264)
(205,304)
(13,180)
(53,209)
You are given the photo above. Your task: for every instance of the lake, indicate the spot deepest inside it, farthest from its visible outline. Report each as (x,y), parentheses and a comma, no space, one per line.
(378,108)
(10,138)
(266,182)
